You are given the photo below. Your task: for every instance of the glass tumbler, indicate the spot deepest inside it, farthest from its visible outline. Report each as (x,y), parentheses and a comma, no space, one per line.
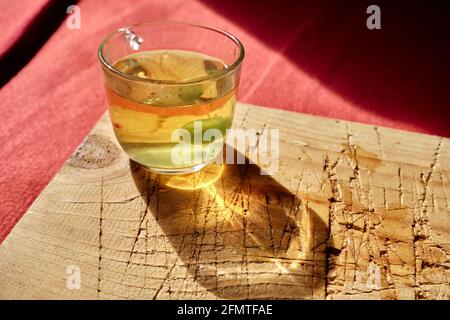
(171,90)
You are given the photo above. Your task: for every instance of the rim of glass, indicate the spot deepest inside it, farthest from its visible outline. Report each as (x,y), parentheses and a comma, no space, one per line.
(220,74)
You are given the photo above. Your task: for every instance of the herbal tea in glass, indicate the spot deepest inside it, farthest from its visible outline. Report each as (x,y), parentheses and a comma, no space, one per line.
(188,87)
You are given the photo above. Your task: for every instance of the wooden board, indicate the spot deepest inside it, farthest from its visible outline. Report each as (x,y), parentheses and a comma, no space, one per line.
(355,211)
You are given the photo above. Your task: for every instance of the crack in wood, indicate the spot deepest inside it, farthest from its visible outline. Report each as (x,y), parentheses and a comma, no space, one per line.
(100,232)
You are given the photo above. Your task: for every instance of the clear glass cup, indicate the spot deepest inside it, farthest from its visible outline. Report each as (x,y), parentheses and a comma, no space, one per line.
(171,89)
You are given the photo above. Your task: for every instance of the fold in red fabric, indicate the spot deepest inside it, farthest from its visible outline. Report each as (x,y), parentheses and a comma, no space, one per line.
(15,16)
(300,56)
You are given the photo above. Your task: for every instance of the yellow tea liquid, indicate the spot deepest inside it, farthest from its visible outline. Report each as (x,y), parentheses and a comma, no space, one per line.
(145,114)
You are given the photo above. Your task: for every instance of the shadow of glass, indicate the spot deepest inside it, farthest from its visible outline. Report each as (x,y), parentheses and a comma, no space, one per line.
(241,234)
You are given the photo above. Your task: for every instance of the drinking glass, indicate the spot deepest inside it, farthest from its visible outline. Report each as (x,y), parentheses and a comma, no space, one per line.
(171,89)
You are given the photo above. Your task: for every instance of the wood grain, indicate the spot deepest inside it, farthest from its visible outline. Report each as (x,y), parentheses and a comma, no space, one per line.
(354,212)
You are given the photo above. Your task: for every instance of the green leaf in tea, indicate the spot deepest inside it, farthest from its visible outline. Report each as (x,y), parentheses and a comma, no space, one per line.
(190,94)
(220,123)
(212,67)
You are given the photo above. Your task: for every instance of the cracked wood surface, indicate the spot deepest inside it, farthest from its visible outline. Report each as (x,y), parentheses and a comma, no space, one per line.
(355,211)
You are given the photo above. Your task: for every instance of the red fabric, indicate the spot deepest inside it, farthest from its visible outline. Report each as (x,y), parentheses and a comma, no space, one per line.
(15,16)
(301,56)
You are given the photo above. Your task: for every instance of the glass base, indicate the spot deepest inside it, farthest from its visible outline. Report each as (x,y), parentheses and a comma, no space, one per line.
(177,171)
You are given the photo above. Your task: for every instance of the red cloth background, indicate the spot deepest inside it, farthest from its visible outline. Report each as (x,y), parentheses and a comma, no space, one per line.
(15,16)
(304,56)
